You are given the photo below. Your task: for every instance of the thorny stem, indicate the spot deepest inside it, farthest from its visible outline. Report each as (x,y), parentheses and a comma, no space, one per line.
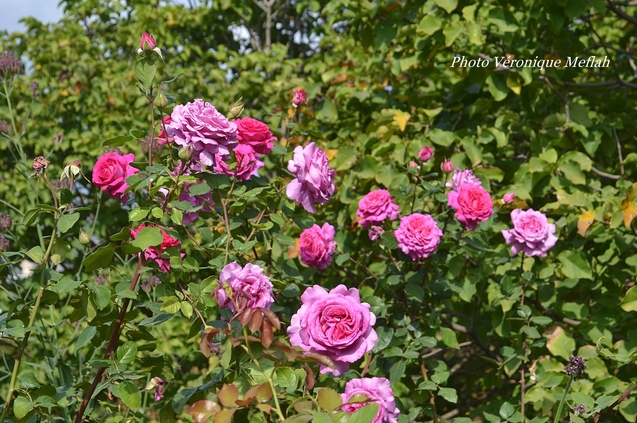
(432,397)
(152,127)
(226,222)
(112,345)
(561,406)
(36,307)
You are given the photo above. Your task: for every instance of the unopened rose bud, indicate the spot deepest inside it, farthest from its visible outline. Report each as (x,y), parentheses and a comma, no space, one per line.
(100,280)
(161,101)
(5,222)
(300,97)
(148,44)
(426,153)
(508,198)
(84,238)
(236,110)
(447,166)
(185,153)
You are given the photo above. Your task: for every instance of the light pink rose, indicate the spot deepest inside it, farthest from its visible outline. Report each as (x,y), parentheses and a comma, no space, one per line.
(253,136)
(375,207)
(426,153)
(199,126)
(154,253)
(447,166)
(247,165)
(378,390)
(335,324)
(508,198)
(111,171)
(532,233)
(472,203)
(461,177)
(249,287)
(314,181)
(317,245)
(418,235)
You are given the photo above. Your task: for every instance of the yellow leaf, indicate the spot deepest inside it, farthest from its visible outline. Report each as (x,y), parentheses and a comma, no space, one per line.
(514,84)
(585,221)
(293,250)
(630,212)
(401,119)
(331,153)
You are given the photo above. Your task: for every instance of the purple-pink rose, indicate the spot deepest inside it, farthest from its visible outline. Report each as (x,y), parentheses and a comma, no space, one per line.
(461,177)
(378,390)
(254,136)
(375,232)
(110,173)
(335,324)
(375,207)
(317,245)
(472,203)
(314,181)
(199,126)
(418,235)
(246,166)
(202,200)
(532,233)
(426,153)
(248,285)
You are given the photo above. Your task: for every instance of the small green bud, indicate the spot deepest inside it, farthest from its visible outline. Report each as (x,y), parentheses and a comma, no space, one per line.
(84,238)
(161,101)
(185,153)
(236,110)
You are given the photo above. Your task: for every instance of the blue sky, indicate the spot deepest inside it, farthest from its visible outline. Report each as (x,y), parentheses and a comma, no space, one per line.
(14,10)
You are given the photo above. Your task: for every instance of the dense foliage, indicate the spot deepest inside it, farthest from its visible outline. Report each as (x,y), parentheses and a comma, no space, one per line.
(93,325)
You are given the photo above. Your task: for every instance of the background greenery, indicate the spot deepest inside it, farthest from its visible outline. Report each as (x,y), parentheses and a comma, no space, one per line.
(380,87)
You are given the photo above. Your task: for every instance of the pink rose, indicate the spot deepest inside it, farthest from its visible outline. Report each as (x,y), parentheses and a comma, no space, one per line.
(247,165)
(461,177)
(154,253)
(314,181)
(378,390)
(254,136)
(248,285)
(508,198)
(300,97)
(317,245)
(111,171)
(447,167)
(472,203)
(532,233)
(335,324)
(418,235)
(375,232)
(426,153)
(375,207)
(203,129)
(147,42)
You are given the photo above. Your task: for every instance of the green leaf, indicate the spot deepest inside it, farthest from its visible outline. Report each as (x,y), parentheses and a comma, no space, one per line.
(449,338)
(575,265)
(497,87)
(126,353)
(448,5)
(329,399)
(102,296)
(117,141)
(137,214)
(172,305)
(100,258)
(199,189)
(21,407)
(365,414)
(182,397)
(396,371)
(449,394)
(442,138)
(36,254)
(451,32)
(629,302)
(85,337)
(429,24)
(67,221)
(148,237)
(130,395)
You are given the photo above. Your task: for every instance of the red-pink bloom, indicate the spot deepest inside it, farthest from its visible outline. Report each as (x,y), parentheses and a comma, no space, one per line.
(147,42)
(472,203)
(418,235)
(447,166)
(254,136)
(300,97)
(247,165)
(162,138)
(154,253)
(375,207)
(426,153)
(508,198)
(314,181)
(335,324)
(111,171)
(317,245)
(378,390)
(248,285)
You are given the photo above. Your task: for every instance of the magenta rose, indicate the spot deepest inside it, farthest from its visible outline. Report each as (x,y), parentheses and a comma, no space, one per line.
(532,233)
(317,245)
(154,253)
(111,171)
(254,136)
(461,177)
(203,201)
(472,203)
(247,165)
(375,207)
(300,97)
(378,390)
(335,324)
(314,181)
(508,198)
(447,167)
(418,235)
(203,129)
(426,153)
(248,285)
